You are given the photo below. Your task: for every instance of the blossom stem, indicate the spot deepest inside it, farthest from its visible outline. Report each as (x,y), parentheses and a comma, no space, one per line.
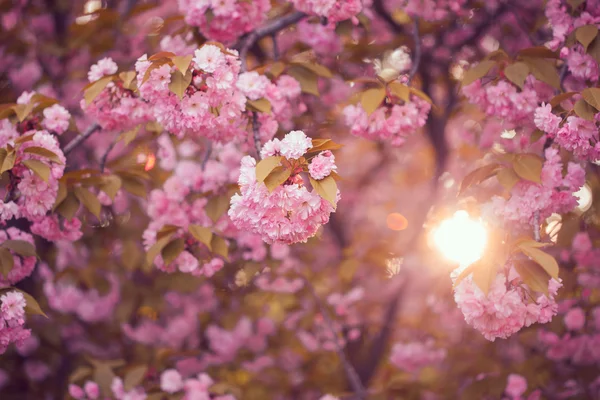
(417,56)
(536,226)
(351,374)
(256,134)
(81,138)
(269,29)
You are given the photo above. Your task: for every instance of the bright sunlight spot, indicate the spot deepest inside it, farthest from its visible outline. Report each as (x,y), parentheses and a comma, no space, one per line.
(584,198)
(460,238)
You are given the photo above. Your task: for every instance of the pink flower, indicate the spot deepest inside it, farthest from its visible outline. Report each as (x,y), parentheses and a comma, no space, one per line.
(13,305)
(56,119)
(575,319)
(171,381)
(208,58)
(545,120)
(92,390)
(104,67)
(76,392)
(322,165)
(252,85)
(515,386)
(295,144)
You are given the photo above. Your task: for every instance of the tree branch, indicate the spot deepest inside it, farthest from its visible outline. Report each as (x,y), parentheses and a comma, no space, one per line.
(256,134)
(417,54)
(379,8)
(351,374)
(81,138)
(271,28)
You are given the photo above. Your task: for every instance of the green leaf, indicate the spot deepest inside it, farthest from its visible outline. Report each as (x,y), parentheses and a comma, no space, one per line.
(260,105)
(586,34)
(202,234)
(68,207)
(319,145)
(538,52)
(517,73)
(265,166)
(89,200)
(545,260)
(219,246)
(484,273)
(172,250)
(104,376)
(507,178)
(477,72)
(477,176)
(79,374)
(182,62)
(326,188)
(544,70)
(92,91)
(128,78)
(39,168)
(371,99)
(157,248)
(306,78)
(216,207)
(278,176)
(8,160)
(7,262)
(533,275)
(134,186)
(399,90)
(42,152)
(529,167)
(111,185)
(584,110)
(592,97)
(179,83)
(134,377)
(21,247)
(130,135)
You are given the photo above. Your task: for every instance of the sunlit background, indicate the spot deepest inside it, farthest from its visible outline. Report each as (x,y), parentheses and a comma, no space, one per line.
(460,238)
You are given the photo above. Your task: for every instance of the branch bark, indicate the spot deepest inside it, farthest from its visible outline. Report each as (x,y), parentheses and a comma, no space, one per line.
(81,138)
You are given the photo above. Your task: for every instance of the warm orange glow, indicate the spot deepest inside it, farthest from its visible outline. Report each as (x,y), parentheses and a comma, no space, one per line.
(461,238)
(396,222)
(150,161)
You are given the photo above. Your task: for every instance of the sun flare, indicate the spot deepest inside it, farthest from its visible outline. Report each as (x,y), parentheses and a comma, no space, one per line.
(460,238)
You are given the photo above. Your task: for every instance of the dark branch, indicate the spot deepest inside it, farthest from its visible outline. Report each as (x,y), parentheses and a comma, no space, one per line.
(269,29)
(256,134)
(351,374)
(81,138)
(385,15)
(417,53)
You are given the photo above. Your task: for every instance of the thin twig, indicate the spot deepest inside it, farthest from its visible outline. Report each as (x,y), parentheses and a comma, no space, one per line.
(275,47)
(351,374)
(81,138)
(108,150)
(271,28)
(256,134)
(207,154)
(417,57)
(536,226)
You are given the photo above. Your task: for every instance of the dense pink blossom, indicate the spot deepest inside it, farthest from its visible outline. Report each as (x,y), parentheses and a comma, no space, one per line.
(413,356)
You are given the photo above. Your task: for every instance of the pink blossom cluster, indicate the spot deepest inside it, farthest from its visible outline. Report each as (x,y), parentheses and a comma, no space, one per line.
(12,319)
(321,38)
(116,107)
(508,306)
(28,195)
(575,134)
(503,100)
(171,381)
(225,344)
(413,356)
(68,297)
(56,119)
(212,106)
(224,20)
(290,213)
(555,194)
(392,123)
(283,95)
(89,391)
(176,203)
(177,326)
(563,22)
(333,10)
(587,257)
(23,266)
(431,10)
